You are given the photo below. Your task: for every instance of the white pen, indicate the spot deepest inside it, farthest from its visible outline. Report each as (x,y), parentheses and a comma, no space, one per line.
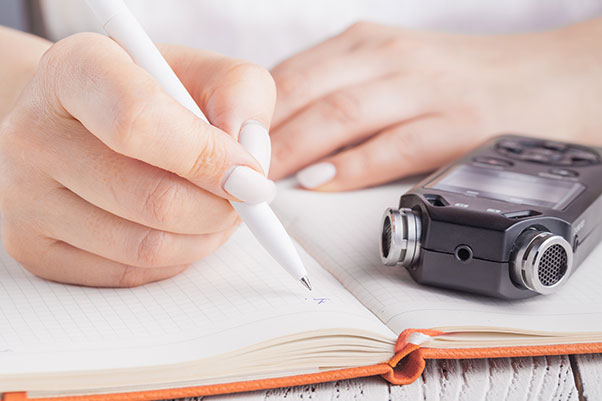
(121,25)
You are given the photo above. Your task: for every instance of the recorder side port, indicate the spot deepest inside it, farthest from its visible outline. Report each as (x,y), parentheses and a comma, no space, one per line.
(436,200)
(463,253)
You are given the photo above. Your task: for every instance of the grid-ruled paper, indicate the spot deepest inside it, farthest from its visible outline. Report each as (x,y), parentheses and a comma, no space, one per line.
(341,231)
(236,297)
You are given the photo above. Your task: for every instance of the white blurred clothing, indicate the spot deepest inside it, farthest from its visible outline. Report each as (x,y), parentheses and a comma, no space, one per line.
(267,31)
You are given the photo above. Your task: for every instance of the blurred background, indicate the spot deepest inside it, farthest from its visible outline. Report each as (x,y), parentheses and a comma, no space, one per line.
(283,28)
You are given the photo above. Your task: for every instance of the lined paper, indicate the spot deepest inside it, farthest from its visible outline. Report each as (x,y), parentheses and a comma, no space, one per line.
(341,231)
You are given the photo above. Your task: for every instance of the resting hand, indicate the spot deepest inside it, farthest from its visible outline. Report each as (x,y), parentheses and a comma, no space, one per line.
(107,181)
(376,103)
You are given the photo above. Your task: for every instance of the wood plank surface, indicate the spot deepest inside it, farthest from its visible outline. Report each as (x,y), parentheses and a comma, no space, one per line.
(539,378)
(588,373)
(511,379)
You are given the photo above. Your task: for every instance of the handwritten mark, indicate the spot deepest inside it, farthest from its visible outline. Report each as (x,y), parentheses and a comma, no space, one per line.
(321,300)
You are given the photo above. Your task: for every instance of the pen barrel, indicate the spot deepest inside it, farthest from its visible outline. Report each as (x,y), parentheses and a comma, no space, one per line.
(272,236)
(121,25)
(124,29)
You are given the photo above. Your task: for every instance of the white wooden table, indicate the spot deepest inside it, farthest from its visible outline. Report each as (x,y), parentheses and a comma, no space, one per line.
(570,378)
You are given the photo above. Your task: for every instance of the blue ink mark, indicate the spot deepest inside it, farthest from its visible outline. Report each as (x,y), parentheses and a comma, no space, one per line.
(321,300)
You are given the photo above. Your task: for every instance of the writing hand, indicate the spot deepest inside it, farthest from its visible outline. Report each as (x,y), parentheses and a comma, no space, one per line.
(107,181)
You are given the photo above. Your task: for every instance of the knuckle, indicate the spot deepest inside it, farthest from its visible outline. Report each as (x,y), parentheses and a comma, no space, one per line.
(250,76)
(209,166)
(151,248)
(7,135)
(74,52)
(393,45)
(242,81)
(230,218)
(242,70)
(283,149)
(343,106)
(77,48)
(54,57)
(94,59)
(159,203)
(131,114)
(264,80)
(292,84)
(216,241)
(405,145)
(224,218)
(361,27)
(17,138)
(132,276)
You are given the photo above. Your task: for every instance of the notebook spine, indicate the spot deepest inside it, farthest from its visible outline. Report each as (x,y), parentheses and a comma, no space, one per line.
(411,353)
(408,363)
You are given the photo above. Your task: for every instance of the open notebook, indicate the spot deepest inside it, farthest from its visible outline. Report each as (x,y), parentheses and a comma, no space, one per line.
(236,321)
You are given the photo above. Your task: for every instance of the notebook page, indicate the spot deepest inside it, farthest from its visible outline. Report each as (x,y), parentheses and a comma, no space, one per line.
(234,298)
(341,231)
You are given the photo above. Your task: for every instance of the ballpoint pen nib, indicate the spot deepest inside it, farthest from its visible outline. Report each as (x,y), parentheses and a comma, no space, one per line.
(305,281)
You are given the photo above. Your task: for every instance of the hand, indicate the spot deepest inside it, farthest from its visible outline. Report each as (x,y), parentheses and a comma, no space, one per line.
(107,181)
(376,103)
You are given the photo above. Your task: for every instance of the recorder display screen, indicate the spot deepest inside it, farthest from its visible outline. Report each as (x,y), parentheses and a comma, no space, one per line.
(509,186)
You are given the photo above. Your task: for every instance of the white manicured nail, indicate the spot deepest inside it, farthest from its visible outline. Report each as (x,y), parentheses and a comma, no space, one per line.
(316,175)
(249,186)
(254,137)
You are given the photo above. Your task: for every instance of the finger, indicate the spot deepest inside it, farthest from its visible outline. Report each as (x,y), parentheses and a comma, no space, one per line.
(400,151)
(132,189)
(330,66)
(58,261)
(92,79)
(230,92)
(96,231)
(343,118)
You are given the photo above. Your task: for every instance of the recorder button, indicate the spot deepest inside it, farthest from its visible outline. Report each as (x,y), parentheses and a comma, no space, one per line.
(542,155)
(582,157)
(492,162)
(557,146)
(562,172)
(511,146)
(535,157)
(521,214)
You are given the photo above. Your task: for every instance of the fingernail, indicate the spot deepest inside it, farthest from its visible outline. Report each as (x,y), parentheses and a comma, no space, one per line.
(254,137)
(316,175)
(248,185)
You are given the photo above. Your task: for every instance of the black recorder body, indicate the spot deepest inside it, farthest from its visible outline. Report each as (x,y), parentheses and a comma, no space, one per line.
(511,220)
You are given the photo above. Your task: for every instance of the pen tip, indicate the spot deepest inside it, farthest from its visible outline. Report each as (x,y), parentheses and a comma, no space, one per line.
(305,281)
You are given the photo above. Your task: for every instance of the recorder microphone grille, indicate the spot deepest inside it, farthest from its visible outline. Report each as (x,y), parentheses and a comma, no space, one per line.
(542,261)
(400,237)
(552,266)
(385,239)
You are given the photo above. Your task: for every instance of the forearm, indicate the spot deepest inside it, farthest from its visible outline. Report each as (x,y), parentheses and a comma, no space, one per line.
(20,53)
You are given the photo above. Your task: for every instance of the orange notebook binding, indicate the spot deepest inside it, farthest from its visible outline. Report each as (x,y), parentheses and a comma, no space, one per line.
(404,368)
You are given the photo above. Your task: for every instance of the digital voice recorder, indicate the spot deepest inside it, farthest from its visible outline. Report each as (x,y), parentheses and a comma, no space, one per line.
(512,219)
